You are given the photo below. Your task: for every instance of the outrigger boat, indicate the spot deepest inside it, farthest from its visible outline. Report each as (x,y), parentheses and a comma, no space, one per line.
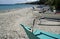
(49,21)
(39,34)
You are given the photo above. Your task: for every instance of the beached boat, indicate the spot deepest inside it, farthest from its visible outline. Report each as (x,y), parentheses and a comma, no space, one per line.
(49,21)
(39,34)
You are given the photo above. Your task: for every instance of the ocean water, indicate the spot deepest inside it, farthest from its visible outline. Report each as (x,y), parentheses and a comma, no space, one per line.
(13,6)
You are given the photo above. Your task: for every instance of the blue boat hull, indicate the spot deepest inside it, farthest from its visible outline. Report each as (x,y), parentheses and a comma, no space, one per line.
(39,34)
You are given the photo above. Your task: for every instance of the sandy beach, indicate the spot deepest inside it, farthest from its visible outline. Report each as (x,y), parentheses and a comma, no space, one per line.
(10,23)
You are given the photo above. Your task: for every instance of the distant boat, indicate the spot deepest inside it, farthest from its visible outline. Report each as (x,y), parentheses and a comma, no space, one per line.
(39,34)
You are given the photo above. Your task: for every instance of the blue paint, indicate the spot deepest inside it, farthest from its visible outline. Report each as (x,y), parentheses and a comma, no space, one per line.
(42,34)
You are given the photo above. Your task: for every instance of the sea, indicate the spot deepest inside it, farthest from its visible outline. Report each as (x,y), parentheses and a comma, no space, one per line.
(5,7)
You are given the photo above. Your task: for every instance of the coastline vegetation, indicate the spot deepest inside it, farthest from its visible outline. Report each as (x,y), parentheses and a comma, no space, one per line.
(54,4)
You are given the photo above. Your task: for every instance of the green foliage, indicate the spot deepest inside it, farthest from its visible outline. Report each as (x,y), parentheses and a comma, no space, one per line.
(56,3)
(53,3)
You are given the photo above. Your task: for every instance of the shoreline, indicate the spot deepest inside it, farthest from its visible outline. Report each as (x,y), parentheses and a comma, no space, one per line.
(8,10)
(5,11)
(14,10)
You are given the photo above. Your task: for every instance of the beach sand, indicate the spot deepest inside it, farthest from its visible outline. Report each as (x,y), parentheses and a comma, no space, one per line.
(10,24)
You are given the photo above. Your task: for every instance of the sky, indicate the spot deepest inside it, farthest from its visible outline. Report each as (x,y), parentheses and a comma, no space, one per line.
(14,1)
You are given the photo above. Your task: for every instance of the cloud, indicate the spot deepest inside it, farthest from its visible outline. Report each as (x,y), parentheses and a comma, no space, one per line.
(31,0)
(6,1)
(14,1)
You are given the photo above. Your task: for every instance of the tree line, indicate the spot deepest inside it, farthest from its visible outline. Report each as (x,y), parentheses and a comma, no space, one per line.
(53,3)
